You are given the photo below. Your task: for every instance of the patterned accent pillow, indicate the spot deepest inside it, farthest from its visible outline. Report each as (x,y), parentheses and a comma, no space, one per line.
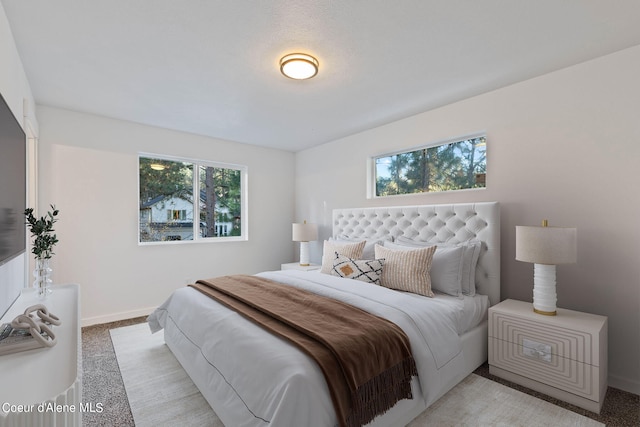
(352,250)
(365,270)
(407,270)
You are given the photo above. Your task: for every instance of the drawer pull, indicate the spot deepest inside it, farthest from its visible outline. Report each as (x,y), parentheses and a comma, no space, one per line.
(536,350)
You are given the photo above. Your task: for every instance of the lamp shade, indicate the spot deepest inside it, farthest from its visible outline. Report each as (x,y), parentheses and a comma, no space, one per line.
(546,245)
(305,232)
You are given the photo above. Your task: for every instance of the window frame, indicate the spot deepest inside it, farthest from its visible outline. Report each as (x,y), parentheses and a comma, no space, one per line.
(196,164)
(372,172)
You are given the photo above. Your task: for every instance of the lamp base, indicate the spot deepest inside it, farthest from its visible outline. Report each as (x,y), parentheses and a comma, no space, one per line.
(545,313)
(304,254)
(544,289)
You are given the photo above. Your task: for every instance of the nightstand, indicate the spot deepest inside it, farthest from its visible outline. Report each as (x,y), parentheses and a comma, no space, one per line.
(563,356)
(297,266)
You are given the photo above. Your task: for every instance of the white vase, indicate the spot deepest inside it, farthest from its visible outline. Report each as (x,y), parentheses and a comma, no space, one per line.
(42,275)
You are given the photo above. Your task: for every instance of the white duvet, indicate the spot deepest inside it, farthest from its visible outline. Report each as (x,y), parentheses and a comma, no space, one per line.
(253,378)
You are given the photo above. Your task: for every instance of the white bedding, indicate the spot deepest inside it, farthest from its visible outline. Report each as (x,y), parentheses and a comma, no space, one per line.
(469,310)
(253,378)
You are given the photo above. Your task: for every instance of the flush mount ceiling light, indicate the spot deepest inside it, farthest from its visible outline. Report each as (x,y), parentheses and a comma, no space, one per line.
(299,66)
(157,166)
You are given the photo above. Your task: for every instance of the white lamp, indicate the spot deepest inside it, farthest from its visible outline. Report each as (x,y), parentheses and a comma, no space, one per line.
(546,247)
(304,233)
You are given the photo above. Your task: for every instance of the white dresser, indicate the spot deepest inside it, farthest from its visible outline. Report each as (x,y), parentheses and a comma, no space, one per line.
(43,387)
(563,356)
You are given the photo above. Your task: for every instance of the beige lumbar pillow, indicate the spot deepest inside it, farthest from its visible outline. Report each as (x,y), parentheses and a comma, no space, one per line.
(407,270)
(351,250)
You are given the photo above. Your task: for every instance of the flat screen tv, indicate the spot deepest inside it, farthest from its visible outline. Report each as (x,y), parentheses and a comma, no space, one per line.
(13,185)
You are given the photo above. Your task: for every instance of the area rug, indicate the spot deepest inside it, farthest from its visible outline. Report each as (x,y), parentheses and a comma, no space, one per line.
(160,393)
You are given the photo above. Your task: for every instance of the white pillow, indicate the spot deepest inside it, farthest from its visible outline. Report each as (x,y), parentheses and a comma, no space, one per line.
(446,269)
(470,260)
(352,250)
(471,255)
(407,270)
(365,270)
(368,252)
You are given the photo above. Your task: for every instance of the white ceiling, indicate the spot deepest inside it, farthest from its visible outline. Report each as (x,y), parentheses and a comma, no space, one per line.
(210,67)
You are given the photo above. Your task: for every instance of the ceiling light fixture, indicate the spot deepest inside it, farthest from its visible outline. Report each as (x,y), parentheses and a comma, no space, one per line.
(157,166)
(299,66)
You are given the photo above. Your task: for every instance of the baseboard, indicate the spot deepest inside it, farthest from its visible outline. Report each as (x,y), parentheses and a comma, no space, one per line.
(124,315)
(624,384)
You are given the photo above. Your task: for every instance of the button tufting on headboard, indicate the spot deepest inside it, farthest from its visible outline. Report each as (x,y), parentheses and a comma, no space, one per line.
(433,223)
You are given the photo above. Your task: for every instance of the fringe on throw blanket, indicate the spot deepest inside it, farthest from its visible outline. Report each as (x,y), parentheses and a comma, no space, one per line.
(381,393)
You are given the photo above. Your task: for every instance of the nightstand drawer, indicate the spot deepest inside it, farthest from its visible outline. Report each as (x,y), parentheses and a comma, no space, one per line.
(544,339)
(538,362)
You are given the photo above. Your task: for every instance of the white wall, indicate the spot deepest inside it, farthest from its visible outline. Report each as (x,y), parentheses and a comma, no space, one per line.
(15,90)
(89,169)
(14,85)
(565,147)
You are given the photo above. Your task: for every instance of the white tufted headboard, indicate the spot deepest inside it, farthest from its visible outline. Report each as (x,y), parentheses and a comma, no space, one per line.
(434,223)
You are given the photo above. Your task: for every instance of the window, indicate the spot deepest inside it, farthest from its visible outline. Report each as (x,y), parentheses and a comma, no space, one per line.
(176,215)
(453,165)
(169,211)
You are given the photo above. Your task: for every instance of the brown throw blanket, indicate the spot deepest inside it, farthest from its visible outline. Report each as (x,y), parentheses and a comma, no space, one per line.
(366,360)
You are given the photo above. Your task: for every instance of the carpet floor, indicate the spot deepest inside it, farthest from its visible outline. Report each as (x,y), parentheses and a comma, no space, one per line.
(103,383)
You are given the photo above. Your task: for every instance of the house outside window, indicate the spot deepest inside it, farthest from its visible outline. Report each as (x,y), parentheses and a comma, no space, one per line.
(167,186)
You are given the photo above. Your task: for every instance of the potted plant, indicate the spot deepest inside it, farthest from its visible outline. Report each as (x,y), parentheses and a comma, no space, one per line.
(44,240)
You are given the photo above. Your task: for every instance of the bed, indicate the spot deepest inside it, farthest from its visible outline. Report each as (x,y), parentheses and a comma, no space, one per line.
(253,378)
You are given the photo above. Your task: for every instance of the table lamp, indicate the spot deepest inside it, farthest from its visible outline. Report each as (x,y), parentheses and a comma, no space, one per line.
(304,233)
(546,247)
